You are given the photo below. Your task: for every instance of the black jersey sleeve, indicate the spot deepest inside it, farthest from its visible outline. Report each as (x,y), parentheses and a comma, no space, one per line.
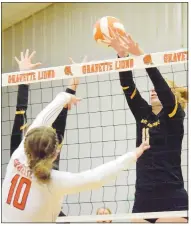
(139,107)
(20,120)
(165,95)
(60,125)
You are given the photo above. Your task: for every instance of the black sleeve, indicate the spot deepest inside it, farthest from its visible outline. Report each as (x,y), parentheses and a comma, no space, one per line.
(139,107)
(20,119)
(59,125)
(165,95)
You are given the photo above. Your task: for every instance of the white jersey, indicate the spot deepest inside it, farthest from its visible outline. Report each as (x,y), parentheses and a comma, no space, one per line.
(24,199)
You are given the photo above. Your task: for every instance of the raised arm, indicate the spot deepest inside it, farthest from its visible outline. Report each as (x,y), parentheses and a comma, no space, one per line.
(48,115)
(164,92)
(60,123)
(139,107)
(70,183)
(165,95)
(137,104)
(20,120)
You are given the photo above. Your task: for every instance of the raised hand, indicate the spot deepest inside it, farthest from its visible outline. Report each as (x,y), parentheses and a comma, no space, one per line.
(123,45)
(130,45)
(74,82)
(25,61)
(74,100)
(116,43)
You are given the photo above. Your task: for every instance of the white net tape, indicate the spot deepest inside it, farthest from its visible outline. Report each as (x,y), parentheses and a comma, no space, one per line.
(124,216)
(92,68)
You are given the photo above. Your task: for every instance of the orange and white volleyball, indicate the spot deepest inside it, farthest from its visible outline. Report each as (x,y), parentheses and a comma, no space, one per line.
(102,26)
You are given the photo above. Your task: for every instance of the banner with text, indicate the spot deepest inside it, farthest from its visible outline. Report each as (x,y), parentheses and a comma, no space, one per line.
(97,67)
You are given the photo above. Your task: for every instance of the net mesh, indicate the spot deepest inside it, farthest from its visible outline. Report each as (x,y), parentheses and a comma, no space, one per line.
(98,130)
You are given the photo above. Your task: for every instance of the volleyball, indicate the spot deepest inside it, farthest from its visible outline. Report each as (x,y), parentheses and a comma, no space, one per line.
(102,26)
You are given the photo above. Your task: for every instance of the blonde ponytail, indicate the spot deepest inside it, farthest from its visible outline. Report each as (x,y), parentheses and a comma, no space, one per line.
(42,170)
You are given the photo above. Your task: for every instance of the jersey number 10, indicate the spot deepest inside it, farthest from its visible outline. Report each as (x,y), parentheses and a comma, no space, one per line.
(16,189)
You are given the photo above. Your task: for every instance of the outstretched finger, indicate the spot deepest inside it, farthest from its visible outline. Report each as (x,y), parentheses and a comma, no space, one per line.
(36,65)
(76,100)
(107,37)
(112,32)
(130,38)
(106,42)
(17,60)
(125,47)
(22,56)
(71,60)
(147,140)
(124,39)
(85,59)
(32,55)
(27,53)
(118,36)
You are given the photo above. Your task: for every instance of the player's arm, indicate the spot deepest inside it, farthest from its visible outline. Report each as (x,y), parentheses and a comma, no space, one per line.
(165,95)
(20,119)
(137,104)
(60,123)
(49,114)
(70,183)
(139,107)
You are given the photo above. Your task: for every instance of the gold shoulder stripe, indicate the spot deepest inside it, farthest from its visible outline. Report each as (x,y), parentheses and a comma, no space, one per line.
(126,87)
(133,94)
(60,146)
(174,110)
(23,127)
(19,112)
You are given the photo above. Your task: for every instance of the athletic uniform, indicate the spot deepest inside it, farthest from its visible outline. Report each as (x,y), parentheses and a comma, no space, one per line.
(159,183)
(24,199)
(20,122)
(59,125)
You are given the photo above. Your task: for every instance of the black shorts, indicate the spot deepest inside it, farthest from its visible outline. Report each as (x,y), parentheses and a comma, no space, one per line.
(176,200)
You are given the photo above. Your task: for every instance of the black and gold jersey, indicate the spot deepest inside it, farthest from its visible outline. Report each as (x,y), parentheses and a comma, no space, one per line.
(160,166)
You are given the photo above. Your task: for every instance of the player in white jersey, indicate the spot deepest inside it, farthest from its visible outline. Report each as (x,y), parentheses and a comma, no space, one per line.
(20,120)
(32,191)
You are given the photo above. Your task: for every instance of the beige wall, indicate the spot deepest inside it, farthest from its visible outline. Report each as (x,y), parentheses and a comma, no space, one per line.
(65,29)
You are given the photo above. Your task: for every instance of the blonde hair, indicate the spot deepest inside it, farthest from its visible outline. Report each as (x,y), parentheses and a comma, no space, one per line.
(181,93)
(40,147)
(97,212)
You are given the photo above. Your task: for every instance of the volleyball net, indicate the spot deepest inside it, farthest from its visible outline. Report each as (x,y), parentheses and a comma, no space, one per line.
(126,217)
(100,128)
